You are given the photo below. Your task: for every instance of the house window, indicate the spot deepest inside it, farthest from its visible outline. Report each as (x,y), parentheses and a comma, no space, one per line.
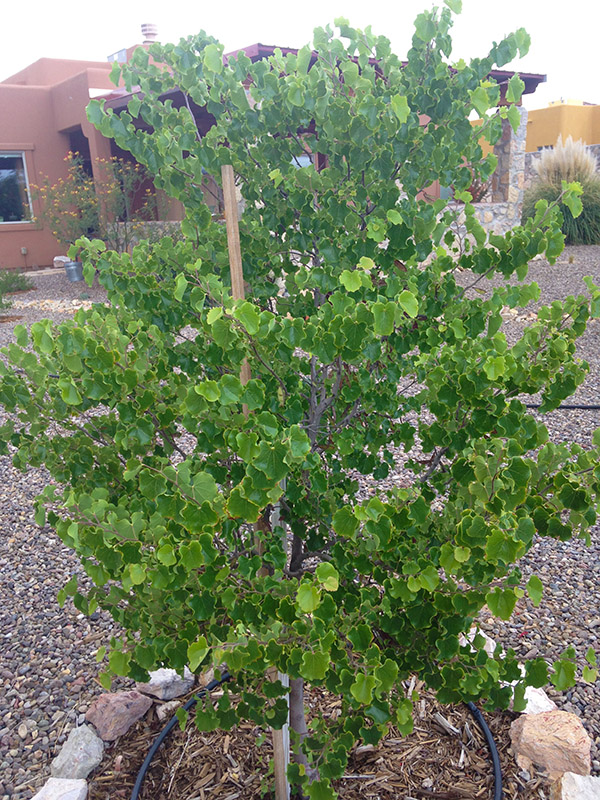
(15,204)
(303,160)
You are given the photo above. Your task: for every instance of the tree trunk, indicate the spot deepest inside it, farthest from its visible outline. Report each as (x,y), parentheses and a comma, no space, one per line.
(299,726)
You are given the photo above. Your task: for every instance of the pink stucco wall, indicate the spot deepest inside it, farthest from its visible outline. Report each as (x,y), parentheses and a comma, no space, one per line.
(38,108)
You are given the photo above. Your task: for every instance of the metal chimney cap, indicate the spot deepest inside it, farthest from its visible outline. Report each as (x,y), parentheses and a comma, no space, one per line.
(149,32)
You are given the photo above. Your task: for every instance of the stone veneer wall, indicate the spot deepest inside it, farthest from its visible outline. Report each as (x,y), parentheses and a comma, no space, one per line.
(503,211)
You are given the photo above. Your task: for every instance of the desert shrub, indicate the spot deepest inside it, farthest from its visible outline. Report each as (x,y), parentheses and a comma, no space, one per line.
(571,161)
(566,161)
(14,281)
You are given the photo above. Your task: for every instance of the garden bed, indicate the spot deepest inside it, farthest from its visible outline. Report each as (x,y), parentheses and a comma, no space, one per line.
(430,762)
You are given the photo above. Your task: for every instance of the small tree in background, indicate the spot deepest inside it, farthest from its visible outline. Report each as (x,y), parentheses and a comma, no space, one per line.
(115,208)
(69,207)
(364,353)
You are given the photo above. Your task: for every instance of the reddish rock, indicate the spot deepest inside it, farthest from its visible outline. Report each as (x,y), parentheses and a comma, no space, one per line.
(112,714)
(554,741)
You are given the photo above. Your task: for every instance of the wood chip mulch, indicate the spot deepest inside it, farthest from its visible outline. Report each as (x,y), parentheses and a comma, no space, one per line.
(433,762)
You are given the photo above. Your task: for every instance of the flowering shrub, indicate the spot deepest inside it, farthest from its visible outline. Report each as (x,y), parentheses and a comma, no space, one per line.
(69,207)
(115,208)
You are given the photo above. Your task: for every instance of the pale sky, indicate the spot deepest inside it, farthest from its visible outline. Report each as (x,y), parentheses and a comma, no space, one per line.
(564,34)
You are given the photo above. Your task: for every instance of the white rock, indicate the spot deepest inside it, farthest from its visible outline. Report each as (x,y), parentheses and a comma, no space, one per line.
(61,789)
(167,710)
(489,644)
(79,755)
(537,701)
(167,684)
(576,787)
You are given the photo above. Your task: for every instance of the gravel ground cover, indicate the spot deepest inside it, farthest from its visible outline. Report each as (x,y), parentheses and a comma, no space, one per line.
(47,654)
(570,571)
(47,664)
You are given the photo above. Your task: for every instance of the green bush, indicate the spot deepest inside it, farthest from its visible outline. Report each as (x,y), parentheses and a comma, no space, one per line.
(12,281)
(568,161)
(584,229)
(219,516)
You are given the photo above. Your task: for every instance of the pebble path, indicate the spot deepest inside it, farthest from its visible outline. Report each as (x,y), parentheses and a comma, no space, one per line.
(47,654)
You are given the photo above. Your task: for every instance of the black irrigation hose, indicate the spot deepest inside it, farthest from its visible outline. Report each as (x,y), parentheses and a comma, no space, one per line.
(168,728)
(478,717)
(476,713)
(567,406)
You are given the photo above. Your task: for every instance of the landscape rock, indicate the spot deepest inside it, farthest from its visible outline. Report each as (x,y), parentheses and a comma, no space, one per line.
(79,755)
(554,741)
(575,787)
(62,789)
(165,684)
(167,710)
(489,644)
(537,701)
(113,713)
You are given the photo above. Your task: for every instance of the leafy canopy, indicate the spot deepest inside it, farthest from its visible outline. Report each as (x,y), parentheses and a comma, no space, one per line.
(366,354)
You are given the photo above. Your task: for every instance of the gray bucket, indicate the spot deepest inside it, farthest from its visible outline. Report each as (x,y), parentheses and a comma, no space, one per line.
(74,271)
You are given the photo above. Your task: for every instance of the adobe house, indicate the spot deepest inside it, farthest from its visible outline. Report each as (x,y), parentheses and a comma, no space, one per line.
(42,118)
(42,109)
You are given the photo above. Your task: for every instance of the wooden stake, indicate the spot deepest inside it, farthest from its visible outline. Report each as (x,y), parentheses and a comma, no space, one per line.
(281,746)
(233,232)
(233,245)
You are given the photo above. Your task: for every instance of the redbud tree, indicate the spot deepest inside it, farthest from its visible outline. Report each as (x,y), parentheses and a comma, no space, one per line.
(259,524)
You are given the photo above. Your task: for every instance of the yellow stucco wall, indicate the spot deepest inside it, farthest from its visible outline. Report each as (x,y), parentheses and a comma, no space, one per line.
(545,125)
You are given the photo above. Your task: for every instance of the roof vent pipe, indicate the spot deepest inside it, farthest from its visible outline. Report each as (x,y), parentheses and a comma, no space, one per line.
(149,32)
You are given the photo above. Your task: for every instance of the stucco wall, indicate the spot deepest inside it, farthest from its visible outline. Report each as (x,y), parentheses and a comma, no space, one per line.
(27,114)
(36,120)
(545,125)
(49,71)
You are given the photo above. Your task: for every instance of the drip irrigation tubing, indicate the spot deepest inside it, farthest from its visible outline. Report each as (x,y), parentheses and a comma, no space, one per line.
(566,407)
(478,717)
(475,712)
(168,728)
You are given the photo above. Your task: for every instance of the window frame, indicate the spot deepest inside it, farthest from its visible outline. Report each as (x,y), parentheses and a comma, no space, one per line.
(16,153)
